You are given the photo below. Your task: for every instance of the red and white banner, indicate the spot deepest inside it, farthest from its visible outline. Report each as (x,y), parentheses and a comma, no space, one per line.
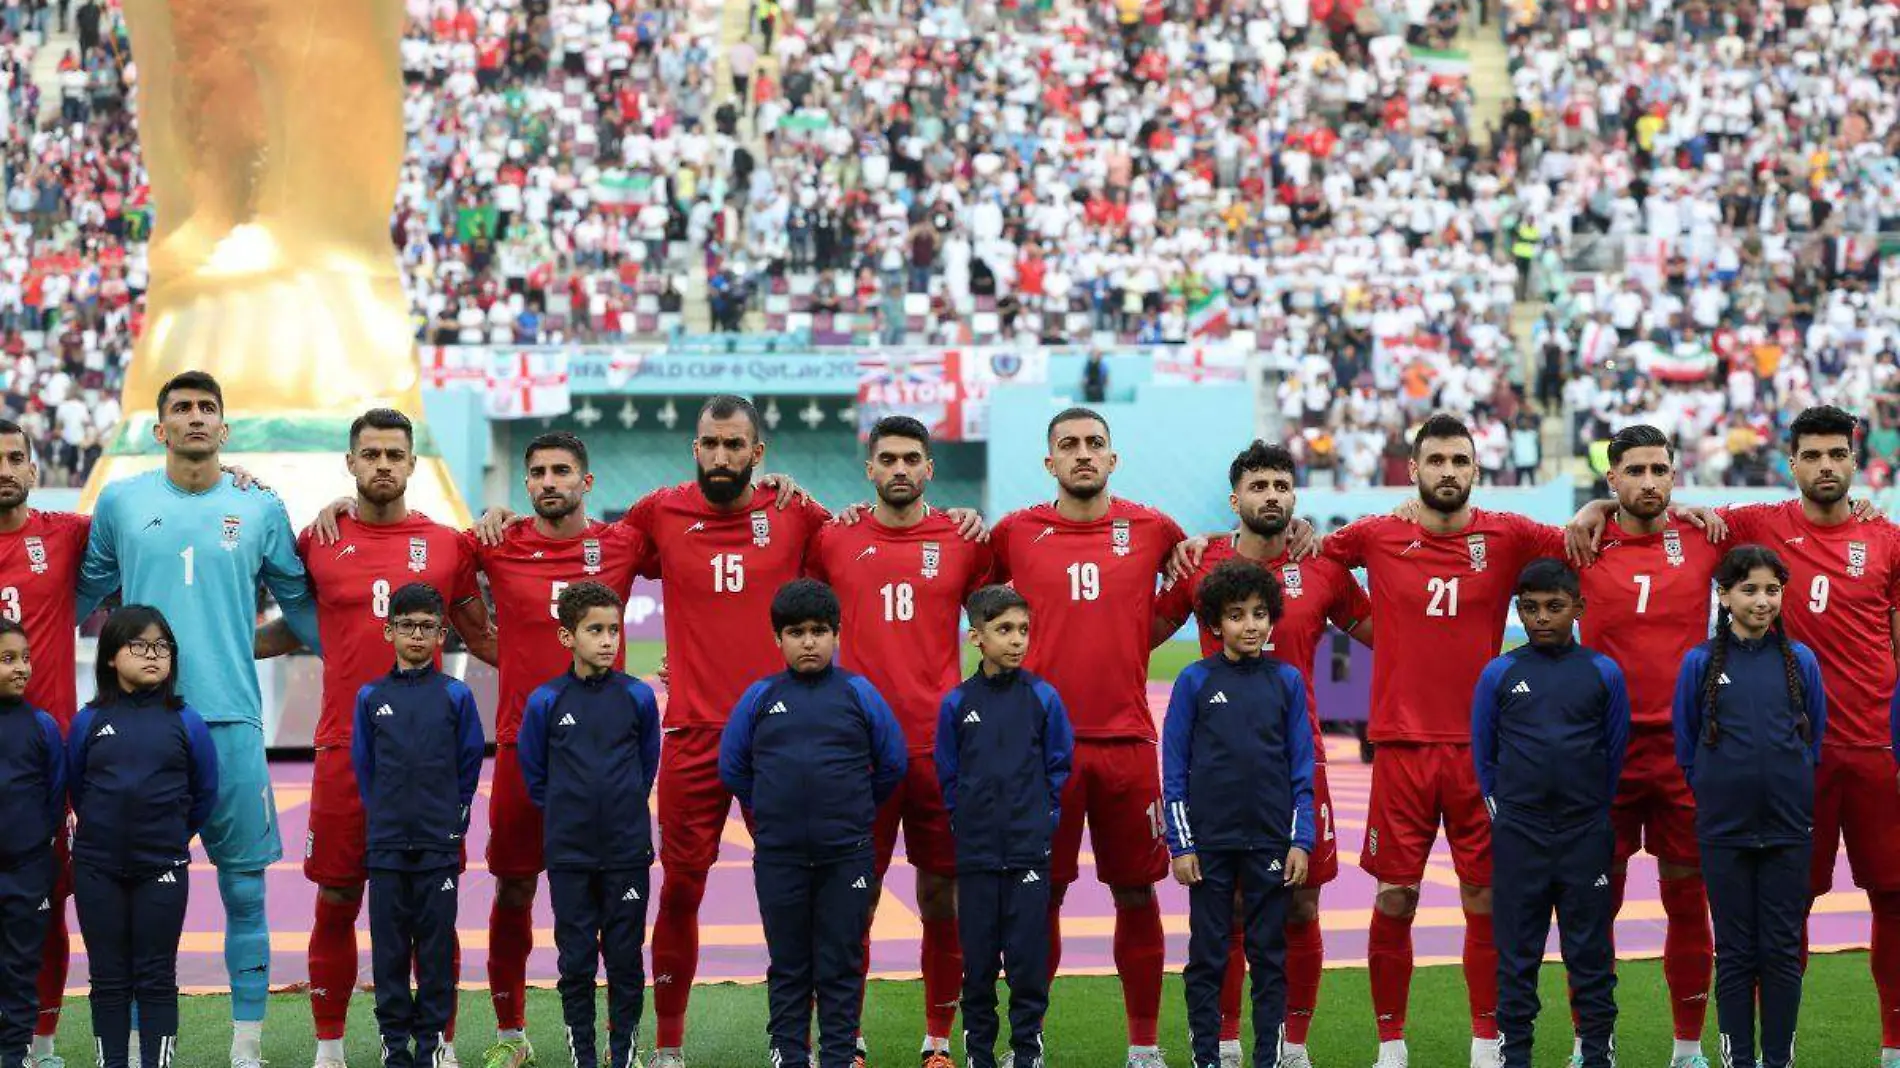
(444,366)
(948,390)
(528,385)
(1218,365)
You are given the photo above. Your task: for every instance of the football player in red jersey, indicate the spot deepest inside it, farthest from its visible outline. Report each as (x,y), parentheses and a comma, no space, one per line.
(1441,588)
(379,546)
(902,574)
(1087,563)
(724,547)
(1317,592)
(40,554)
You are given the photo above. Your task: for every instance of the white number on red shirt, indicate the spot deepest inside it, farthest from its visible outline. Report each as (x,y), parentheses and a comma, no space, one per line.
(1817,594)
(379,598)
(1085,581)
(10,603)
(900,602)
(728,573)
(1444,597)
(555,590)
(1642,594)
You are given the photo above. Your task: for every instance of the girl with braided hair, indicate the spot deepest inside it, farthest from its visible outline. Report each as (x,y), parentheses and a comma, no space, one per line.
(1749,716)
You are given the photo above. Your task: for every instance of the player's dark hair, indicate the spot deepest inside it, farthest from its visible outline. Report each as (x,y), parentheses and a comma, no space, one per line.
(1260,456)
(1740,562)
(804,600)
(558,440)
(1639,436)
(990,602)
(8,426)
(898,426)
(583,597)
(122,626)
(1821,421)
(194,380)
(8,626)
(417,598)
(382,419)
(1067,414)
(1547,574)
(727,405)
(1441,425)
(1232,582)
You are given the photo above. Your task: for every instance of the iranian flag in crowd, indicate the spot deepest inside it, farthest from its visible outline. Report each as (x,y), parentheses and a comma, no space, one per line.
(527,385)
(1207,313)
(1442,62)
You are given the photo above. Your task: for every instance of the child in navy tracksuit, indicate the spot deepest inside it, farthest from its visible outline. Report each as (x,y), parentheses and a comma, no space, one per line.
(590,747)
(811,753)
(1749,716)
(143,778)
(32,816)
(1004,747)
(417,749)
(1237,782)
(1549,725)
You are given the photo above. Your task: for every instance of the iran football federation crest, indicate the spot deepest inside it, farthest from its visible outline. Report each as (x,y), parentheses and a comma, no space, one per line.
(36,555)
(1120,537)
(590,556)
(761,530)
(1291,580)
(418,555)
(1475,545)
(233,527)
(933,559)
(1672,547)
(1856,559)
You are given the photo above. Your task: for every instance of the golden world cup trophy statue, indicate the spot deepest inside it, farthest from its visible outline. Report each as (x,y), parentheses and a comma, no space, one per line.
(273,137)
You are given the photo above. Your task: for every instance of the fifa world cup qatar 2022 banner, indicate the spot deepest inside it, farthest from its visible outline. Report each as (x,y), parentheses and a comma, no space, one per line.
(948,390)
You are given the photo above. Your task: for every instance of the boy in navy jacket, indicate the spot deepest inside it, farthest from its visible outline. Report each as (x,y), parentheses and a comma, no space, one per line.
(590,748)
(1237,783)
(143,777)
(1749,715)
(32,815)
(811,753)
(1550,722)
(1004,747)
(417,749)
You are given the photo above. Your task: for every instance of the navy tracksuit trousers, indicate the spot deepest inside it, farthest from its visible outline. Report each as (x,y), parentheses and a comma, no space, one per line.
(412,923)
(1003,925)
(131,925)
(1261,882)
(1758,901)
(601,915)
(1539,868)
(815,916)
(25,908)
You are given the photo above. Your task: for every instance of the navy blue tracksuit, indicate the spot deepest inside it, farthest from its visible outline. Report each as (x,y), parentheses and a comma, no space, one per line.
(1004,748)
(1751,767)
(1549,729)
(32,815)
(811,757)
(417,750)
(590,748)
(143,778)
(1237,783)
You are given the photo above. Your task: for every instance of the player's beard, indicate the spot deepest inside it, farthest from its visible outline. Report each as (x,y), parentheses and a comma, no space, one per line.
(555,509)
(725,490)
(900,494)
(1429,497)
(375,494)
(1084,492)
(1647,508)
(12,494)
(1829,495)
(1266,524)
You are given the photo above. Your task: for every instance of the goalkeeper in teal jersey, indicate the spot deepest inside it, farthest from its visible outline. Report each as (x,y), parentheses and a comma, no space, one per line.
(189,542)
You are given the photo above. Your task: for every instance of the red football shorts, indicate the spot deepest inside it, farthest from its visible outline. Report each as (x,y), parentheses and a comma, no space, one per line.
(1413,788)
(62,868)
(1116,786)
(1654,809)
(514,824)
(335,847)
(1856,799)
(918,805)
(694,804)
(1323,866)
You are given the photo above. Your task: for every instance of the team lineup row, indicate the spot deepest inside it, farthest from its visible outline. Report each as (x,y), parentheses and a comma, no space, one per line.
(190,542)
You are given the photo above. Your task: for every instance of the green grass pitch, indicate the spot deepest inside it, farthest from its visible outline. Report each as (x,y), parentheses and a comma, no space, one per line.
(1839,1025)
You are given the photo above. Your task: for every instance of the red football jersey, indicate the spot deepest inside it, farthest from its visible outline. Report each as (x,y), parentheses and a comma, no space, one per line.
(1091,593)
(718,573)
(1317,592)
(39,569)
(1843,586)
(526,574)
(902,590)
(354,579)
(1646,604)
(1440,602)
